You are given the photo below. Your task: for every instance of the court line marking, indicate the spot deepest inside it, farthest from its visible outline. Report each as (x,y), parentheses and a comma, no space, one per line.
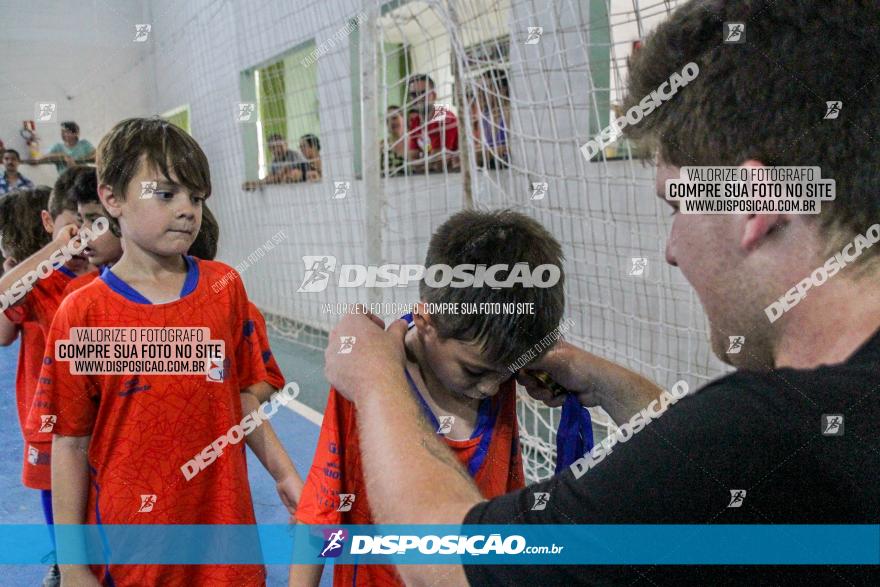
(310,414)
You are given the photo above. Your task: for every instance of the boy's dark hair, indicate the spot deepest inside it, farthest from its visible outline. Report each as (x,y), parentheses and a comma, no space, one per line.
(70,126)
(14,152)
(164,145)
(20,224)
(490,238)
(765,98)
(58,201)
(85,187)
(420,77)
(312,141)
(85,191)
(205,245)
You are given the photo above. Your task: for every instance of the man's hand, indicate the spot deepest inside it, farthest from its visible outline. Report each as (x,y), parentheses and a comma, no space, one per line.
(595,381)
(556,363)
(374,354)
(69,161)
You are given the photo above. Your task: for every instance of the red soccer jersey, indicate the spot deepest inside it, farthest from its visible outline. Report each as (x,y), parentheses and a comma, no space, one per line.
(492,453)
(80,282)
(275,377)
(442,132)
(34,315)
(145,427)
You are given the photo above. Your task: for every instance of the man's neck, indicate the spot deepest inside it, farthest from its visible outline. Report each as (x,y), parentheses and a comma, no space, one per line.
(12,176)
(830,324)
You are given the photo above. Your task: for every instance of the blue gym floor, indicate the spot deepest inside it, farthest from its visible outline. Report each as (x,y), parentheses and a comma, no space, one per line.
(20,505)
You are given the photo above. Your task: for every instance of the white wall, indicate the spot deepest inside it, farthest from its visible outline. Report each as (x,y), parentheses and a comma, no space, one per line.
(604,214)
(79,55)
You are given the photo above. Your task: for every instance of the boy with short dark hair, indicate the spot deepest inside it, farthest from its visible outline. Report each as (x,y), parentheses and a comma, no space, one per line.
(121,440)
(459,370)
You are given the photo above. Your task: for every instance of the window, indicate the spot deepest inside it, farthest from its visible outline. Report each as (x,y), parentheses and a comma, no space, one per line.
(283,97)
(179,117)
(392,84)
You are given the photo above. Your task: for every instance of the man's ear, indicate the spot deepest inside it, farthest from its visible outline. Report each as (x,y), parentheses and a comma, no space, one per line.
(109,200)
(758,226)
(48,223)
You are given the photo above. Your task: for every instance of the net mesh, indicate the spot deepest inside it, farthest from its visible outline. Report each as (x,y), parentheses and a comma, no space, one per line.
(527,82)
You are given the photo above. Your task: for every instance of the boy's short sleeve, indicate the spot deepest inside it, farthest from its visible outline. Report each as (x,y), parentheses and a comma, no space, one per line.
(56,148)
(64,403)
(320,496)
(248,357)
(16,314)
(274,376)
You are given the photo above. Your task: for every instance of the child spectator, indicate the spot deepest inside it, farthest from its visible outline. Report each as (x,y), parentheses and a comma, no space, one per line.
(394,147)
(311,149)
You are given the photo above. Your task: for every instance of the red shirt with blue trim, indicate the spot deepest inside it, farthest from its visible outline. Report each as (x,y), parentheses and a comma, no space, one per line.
(492,456)
(145,427)
(34,315)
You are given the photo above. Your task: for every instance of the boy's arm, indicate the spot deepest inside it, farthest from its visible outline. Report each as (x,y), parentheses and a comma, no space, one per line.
(8,330)
(31,263)
(70,491)
(265,444)
(305,575)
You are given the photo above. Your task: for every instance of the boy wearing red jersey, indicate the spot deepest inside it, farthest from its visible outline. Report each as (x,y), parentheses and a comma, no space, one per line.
(36,224)
(458,371)
(120,440)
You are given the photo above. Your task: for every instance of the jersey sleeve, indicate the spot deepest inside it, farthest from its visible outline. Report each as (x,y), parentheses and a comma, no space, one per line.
(320,496)
(16,314)
(274,376)
(63,403)
(248,357)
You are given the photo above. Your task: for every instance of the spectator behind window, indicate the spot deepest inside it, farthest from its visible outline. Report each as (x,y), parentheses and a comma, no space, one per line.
(434,132)
(394,147)
(311,149)
(495,104)
(288,166)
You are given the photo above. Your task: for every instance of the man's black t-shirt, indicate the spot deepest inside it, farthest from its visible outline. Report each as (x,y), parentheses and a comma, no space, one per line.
(752,431)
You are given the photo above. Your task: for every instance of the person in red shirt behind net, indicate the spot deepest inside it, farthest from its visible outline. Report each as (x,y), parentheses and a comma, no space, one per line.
(432,128)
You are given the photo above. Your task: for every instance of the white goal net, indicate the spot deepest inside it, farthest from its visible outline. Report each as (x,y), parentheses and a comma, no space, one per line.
(529,82)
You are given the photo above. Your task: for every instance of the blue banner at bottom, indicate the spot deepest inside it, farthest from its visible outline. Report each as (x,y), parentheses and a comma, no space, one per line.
(454,544)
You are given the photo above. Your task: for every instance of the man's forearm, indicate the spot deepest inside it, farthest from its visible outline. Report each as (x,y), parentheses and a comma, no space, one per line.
(619,391)
(411,475)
